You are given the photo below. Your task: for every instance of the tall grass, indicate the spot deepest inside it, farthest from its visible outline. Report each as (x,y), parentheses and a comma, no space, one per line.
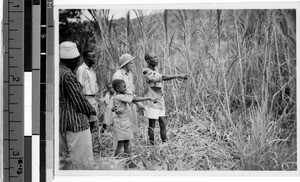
(237,111)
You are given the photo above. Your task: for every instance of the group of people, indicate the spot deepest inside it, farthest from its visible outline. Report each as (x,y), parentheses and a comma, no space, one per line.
(79,106)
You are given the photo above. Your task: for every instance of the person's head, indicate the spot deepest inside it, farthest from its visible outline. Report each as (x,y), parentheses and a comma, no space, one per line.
(110,88)
(126,62)
(151,59)
(119,86)
(69,55)
(89,57)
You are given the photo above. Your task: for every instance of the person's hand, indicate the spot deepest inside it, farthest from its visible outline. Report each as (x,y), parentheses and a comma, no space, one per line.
(141,107)
(92,124)
(98,96)
(183,76)
(154,100)
(141,110)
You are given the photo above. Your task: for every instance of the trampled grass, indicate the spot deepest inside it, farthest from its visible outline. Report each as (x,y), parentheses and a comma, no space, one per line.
(202,145)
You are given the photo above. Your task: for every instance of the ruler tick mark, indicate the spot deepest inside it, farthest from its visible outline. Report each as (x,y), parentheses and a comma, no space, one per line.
(16,157)
(16,85)
(13,140)
(16,11)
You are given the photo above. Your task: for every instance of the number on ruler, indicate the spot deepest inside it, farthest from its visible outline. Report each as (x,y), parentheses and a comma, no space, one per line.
(20,171)
(16,79)
(16,153)
(16,6)
(20,161)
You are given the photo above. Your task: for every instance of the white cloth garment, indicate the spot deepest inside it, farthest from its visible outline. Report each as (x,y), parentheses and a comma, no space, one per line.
(75,151)
(130,89)
(87,77)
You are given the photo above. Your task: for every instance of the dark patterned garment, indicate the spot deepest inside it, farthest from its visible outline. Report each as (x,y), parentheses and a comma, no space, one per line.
(74,109)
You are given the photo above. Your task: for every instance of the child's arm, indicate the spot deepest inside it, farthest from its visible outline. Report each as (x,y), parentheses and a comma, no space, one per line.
(139,99)
(129,98)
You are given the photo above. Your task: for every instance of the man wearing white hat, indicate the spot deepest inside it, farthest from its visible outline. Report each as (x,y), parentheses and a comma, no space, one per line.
(75,143)
(124,73)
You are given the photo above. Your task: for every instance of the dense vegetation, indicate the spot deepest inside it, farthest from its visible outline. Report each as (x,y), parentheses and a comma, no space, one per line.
(237,110)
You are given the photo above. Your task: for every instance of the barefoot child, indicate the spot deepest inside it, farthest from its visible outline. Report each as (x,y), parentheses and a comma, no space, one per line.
(121,121)
(156,111)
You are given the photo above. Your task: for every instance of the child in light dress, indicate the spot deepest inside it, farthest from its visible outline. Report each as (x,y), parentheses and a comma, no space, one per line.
(123,132)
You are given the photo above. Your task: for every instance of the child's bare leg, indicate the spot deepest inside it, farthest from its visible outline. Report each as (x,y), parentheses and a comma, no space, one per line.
(163,129)
(151,131)
(126,147)
(119,148)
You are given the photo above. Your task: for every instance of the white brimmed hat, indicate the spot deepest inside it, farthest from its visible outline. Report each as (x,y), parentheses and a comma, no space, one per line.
(68,50)
(124,59)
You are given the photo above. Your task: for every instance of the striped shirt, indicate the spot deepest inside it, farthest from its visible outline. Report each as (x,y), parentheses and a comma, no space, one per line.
(74,109)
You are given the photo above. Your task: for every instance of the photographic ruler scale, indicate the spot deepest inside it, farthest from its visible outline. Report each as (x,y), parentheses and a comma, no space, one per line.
(25,39)
(13,89)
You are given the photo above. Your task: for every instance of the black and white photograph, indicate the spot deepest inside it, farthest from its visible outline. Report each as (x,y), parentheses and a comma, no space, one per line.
(152,90)
(177,89)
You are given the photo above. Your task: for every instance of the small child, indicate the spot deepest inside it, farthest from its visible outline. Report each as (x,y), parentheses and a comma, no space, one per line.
(122,122)
(108,93)
(108,102)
